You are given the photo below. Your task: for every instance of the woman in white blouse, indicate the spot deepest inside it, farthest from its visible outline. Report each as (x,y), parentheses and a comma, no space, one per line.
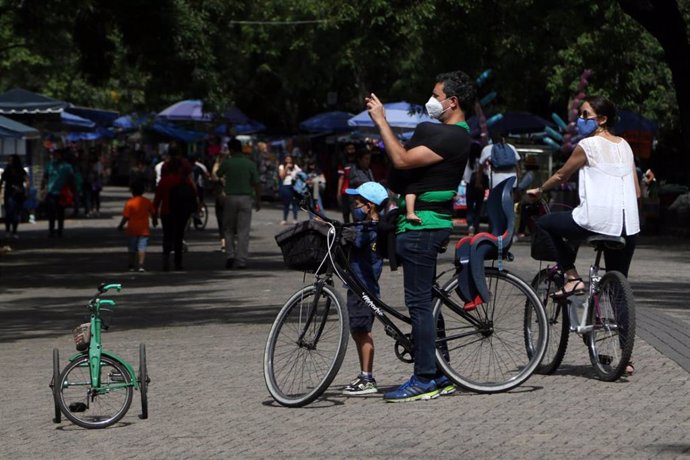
(608,190)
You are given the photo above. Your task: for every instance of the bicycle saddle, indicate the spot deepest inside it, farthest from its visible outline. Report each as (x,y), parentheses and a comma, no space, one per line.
(607,242)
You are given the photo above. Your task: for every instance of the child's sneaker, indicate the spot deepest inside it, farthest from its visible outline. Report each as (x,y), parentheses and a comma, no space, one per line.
(361,386)
(413,390)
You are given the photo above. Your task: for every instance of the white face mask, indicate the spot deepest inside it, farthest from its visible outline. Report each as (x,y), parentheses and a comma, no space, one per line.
(434,107)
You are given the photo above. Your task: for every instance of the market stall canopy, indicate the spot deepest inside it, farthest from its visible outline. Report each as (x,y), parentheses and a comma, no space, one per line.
(520,123)
(99,116)
(22,102)
(327,122)
(402,115)
(193,110)
(176,132)
(187,110)
(72,120)
(14,129)
(632,121)
(250,127)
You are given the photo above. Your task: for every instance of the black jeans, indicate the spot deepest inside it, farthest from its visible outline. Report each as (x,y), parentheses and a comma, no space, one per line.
(560,225)
(56,213)
(174,226)
(418,251)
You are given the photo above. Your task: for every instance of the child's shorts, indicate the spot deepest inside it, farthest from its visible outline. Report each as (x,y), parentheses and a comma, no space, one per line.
(138,243)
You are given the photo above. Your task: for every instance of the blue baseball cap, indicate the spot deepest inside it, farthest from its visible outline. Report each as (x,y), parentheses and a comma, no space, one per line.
(370,191)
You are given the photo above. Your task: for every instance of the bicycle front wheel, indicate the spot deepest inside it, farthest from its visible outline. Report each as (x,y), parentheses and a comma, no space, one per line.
(306,346)
(54,385)
(91,407)
(612,317)
(483,350)
(557,320)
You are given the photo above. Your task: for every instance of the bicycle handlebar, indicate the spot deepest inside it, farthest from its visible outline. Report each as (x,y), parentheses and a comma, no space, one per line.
(103,287)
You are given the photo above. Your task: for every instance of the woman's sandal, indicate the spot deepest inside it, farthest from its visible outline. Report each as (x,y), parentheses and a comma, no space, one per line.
(629,369)
(578,288)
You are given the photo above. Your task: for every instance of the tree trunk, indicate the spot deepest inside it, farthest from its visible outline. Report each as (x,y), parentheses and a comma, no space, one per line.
(664,21)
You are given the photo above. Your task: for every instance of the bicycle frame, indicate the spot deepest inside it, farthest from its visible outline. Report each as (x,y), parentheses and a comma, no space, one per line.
(337,264)
(95,351)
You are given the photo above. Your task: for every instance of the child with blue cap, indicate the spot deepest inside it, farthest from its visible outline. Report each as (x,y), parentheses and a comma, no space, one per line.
(367,265)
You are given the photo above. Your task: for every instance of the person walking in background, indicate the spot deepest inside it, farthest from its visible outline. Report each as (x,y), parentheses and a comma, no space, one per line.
(16,182)
(477,183)
(241,183)
(500,160)
(366,265)
(219,194)
(96,179)
(174,202)
(287,173)
(135,215)
(317,182)
(58,185)
(435,157)
(344,180)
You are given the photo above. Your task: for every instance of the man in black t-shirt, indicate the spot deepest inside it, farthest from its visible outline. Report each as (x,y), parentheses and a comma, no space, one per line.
(431,167)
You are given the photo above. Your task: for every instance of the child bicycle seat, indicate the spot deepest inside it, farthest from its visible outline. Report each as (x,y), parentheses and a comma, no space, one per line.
(472,251)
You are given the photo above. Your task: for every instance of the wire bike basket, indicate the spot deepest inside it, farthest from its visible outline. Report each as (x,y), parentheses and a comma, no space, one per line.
(305,245)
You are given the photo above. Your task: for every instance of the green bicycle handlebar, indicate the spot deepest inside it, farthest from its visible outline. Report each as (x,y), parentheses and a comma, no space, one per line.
(106,287)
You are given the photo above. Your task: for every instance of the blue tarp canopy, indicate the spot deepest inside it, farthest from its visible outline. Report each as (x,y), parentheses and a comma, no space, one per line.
(519,123)
(327,122)
(98,116)
(14,129)
(252,126)
(70,119)
(100,133)
(176,132)
(632,121)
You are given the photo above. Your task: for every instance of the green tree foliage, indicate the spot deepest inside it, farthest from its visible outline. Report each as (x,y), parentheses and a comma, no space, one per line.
(278,60)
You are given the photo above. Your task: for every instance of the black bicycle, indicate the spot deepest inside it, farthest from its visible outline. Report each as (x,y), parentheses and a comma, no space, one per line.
(484,349)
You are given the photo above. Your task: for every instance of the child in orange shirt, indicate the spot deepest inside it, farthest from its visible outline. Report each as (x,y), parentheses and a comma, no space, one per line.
(136,215)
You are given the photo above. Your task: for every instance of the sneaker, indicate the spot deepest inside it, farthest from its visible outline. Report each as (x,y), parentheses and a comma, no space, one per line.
(445,386)
(283,222)
(413,390)
(141,269)
(361,386)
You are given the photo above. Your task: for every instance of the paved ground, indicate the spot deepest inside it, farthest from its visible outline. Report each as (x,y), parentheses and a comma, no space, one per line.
(205,330)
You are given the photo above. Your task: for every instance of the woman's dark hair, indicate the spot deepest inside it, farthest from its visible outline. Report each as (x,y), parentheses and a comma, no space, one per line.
(475,153)
(16,161)
(603,108)
(460,85)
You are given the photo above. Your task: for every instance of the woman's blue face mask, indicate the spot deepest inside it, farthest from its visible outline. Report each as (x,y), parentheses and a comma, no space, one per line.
(586,126)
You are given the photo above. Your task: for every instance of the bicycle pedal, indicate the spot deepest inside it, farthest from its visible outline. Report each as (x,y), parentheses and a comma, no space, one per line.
(77,407)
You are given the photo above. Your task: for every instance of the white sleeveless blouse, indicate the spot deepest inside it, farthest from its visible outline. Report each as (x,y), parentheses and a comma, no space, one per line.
(608,200)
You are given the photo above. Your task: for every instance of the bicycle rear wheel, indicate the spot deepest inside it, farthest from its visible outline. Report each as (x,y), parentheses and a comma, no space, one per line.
(94,408)
(306,346)
(557,320)
(612,316)
(54,385)
(484,350)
